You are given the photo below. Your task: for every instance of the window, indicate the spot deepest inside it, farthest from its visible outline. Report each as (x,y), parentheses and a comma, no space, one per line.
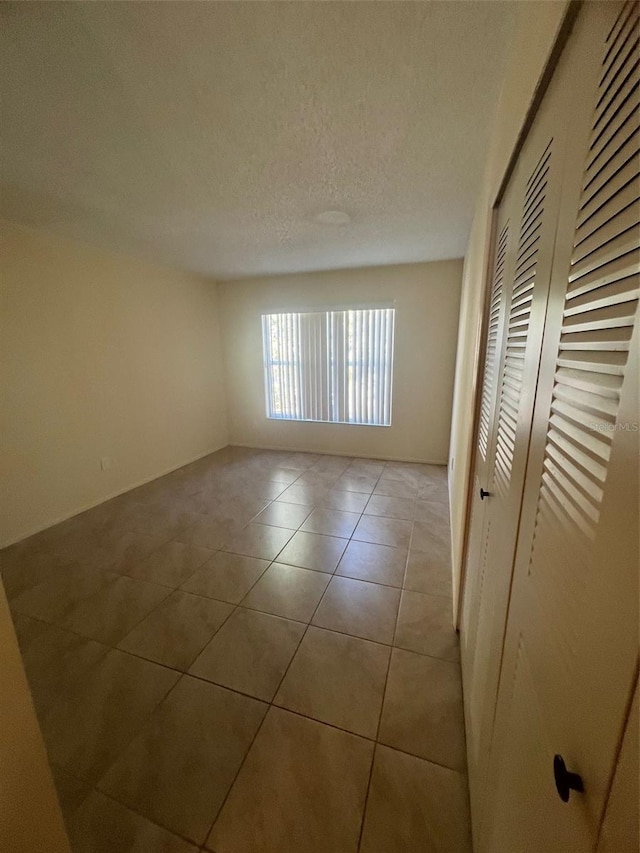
(330,366)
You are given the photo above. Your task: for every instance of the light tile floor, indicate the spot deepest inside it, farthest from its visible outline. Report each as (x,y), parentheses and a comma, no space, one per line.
(253,654)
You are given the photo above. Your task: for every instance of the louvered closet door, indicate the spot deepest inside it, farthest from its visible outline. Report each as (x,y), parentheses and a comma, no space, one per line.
(501,278)
(539,174)
(570,652)
(536,184)
(477,565)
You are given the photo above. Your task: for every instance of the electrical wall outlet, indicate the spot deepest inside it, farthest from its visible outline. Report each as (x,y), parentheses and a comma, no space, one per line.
(105,463)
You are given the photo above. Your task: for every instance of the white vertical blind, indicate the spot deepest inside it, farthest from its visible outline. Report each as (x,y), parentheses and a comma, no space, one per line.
(330,366)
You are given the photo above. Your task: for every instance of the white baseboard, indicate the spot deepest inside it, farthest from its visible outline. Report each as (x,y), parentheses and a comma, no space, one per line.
(285,449)
(110,496)
(137,484)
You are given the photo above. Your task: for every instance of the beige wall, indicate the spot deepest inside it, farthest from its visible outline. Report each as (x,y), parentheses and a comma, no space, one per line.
(537,27)
(427,302)
(102,356)
(30,818)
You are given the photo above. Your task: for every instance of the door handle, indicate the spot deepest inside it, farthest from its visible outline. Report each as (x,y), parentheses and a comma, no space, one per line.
(565,780)
(484,494)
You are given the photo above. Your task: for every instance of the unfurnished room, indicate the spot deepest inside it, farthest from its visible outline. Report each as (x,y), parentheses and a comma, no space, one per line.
(319,426)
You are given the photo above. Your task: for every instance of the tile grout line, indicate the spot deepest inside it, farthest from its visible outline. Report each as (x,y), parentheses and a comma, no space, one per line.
(94,787)
(133,737)
(107,568)
(272,705)
(259,728)
(182,675)
(154,821)
(240,605)
(236,606)
(373,752)
(384,696)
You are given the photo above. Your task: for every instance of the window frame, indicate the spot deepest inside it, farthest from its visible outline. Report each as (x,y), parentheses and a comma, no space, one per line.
(378,371)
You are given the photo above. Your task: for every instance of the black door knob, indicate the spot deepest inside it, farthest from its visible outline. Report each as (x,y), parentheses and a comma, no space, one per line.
(484,494)
(564,779)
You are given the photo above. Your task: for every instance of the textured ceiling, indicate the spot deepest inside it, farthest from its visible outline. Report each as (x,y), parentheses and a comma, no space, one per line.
(210,135)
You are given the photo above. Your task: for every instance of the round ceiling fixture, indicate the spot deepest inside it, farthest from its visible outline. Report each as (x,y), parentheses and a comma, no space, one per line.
(333,217)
